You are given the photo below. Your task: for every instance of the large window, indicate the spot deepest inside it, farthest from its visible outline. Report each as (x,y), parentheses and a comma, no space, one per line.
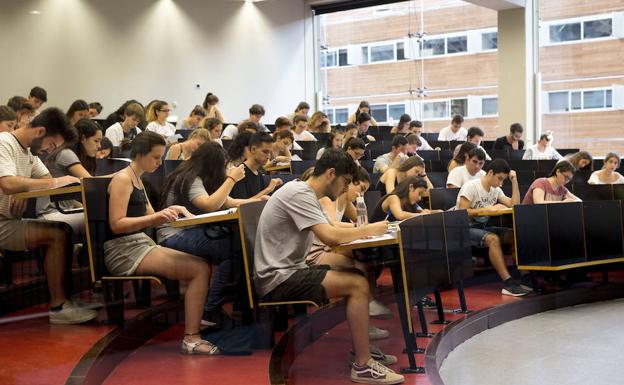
(566,101)
(579,28)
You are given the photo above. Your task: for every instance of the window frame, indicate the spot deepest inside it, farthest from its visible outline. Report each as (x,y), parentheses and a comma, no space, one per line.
(582,99)
(579,20)
(448,108)
(484,97)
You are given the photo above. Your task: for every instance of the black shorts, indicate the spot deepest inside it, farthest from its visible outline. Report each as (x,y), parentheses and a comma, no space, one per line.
(303,285)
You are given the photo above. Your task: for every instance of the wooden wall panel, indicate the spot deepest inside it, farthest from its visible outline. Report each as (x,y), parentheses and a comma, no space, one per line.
(560,9)
(578,60)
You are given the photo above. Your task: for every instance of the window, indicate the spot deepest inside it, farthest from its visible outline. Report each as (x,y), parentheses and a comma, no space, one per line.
(435,110)
(379,112)
(562,101)
(457,44)
(558,101)
(489,106)
(341,116)
(328,59)
(609,99)
(459,107)
(593,99)
(343,59)
(433,47)
(565,32)
(400,51)
(330,114)
(395,111)
(575,100)
(365,55)
(489,40)
(597,28)
(382,53)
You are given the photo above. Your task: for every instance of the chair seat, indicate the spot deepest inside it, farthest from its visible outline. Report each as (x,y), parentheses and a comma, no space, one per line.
(132,277)
(288,303)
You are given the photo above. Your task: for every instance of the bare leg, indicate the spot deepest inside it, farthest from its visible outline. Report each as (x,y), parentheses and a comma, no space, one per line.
(354,289)
(339,261)
(496,255)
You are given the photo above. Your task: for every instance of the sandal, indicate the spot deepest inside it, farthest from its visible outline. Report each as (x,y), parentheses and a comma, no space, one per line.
(190,348)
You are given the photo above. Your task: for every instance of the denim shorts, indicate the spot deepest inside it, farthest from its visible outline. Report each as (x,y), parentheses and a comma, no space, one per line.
(479,232)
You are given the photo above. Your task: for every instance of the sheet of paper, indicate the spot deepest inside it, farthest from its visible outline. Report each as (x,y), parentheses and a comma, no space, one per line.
(208,215)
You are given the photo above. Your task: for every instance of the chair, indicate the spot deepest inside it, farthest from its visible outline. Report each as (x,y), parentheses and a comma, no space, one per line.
(95,205)
(438,179)
(109,166)
(503,154)
(371,198)
(442,198)
(300,166)
(429,155)
(309,149)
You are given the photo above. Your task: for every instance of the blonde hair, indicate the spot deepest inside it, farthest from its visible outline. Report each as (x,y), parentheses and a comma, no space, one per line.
(200,133)
(153,108)
(314,121)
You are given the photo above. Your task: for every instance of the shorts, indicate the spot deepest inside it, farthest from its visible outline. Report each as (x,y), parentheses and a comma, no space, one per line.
(302,285)
(13,234)
(478,234)
(75,220)
(123,255)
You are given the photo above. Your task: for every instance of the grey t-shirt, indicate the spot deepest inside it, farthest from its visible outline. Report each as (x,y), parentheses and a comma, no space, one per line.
(479,198)
(382,160)
(284,237)
(60,167)
(166,231)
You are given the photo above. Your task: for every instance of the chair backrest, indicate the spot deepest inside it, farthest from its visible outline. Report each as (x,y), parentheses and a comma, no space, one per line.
(171,165)
(95,204)
(371,198)
(249,217)
(443,198)
(429,155)
(438,179)
(109,166)
(300,166)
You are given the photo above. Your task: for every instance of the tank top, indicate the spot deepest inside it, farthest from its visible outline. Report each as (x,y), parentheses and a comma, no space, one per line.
(137,207)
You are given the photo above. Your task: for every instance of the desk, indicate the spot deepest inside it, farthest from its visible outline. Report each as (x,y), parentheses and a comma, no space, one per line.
(217,216)
(498,213)
(387,239)
(67,190)
(278,167)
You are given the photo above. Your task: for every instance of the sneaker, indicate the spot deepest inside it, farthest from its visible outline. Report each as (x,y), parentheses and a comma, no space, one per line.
(428,303)
(71,314)
(511,287)
(378,355)
(374,372)
(525,282)
(375,333)
(378,310)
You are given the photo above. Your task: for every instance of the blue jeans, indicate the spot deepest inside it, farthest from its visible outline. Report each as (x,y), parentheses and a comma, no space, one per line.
(216,251)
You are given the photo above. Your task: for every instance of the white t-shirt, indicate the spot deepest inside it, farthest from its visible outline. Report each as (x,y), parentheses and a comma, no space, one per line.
(594,179)
(305,135)
(229,132)
(479,198)
(116,135)
(456,151)
(424,145)
(460,176)
(533,153)
(447,134)
(165,130)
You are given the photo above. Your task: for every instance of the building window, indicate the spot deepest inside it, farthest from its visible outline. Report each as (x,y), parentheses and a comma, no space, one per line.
(395,111)
(565,32)
(609,99)
(379,112)
(456,44)
(435,110)
(489,106)
(328,59)
(433,47)
(343,59)
(382,53)
(593,99)
(597,28)
(459,107)
(575,100)
(563,101)
(558,101)
(341,115)
(400,51)
(489,40)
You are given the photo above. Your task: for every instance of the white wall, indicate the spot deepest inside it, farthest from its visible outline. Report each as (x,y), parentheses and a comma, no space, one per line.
(114,50)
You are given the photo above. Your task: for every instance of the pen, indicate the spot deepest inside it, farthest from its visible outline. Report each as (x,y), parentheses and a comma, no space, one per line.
(387,215)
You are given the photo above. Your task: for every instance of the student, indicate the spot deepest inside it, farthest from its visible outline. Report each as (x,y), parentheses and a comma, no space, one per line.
(239,149)
(24,110)
(253,184)
(281,273)
(215,127)
(184,150)
(79,109)
(552,189)
(334,140)
(542,149)
(95,108)
(355,148)
(351,131)
(210,105)
(256,112)
(127,129)
(248,126)
(363,107)
(580,160)
(364,121)
(300,132)
(483,196)
(608,175)
(461,156)
(280,152)
(319,123)
(118,116)
(413,166)
(403,126)
(21,171)
(106,149)
(129,251)
(416,128)
(513,140)
(76,159)
(475,136)
(303,108)
(8,119)
(471,169)
(157,115)
(455,131)
(193,120)
(283,124)
(393,158)
(402,202)
(37,97)
(413,143)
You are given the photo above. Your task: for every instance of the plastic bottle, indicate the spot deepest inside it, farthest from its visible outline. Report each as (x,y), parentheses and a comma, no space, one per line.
(362,213)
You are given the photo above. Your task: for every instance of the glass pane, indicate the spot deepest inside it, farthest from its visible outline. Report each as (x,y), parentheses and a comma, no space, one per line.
(341,116)
(396,110)
(489,106)
(433,47)
(435,110)
(575,100)
(379,112)
(565,32)
(558,101)
(330,115)
(400,51)
(597,28)
(457,44)
(489,40)
(593,99)
(609,98)
(365,55)
(343,59)
(459,106)
(382,53)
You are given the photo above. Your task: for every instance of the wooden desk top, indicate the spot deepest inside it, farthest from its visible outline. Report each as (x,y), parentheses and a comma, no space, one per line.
(217,216)
(72,189)
(278,167)
(387,239)
(498,213)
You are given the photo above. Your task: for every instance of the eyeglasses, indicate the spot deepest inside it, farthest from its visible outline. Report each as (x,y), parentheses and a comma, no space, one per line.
(165,110)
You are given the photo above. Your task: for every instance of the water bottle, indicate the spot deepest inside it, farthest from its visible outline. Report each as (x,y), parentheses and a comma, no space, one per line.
(362,214)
